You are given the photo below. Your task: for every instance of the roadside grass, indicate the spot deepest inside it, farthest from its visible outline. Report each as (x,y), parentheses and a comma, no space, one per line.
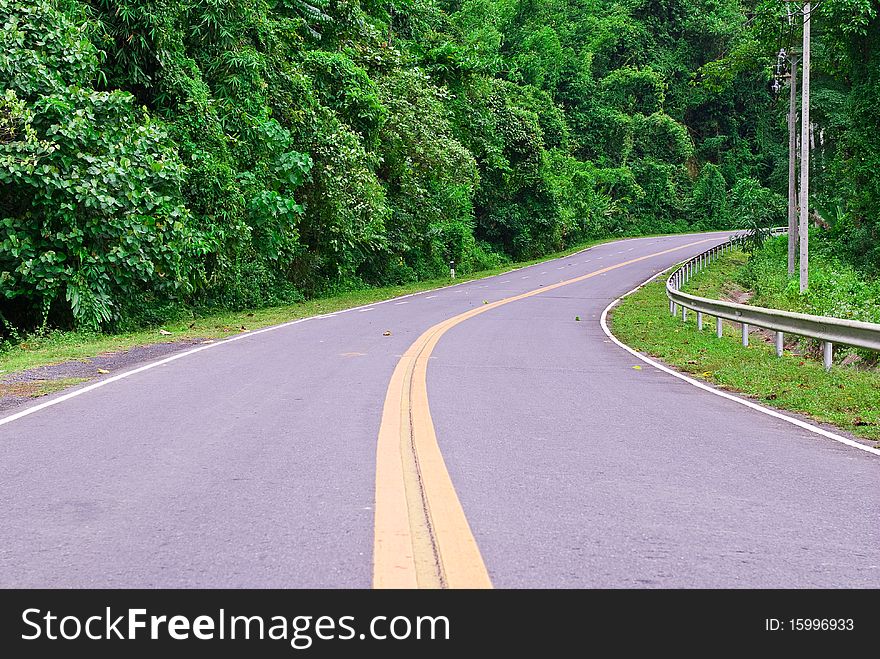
(847,397)
(61,346)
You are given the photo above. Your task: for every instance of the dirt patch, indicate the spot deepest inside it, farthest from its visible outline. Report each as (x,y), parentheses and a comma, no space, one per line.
(735,293)
(23,386)
(36,388)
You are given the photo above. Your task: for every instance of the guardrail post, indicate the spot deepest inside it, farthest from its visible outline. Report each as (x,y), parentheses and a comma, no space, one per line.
(831,330)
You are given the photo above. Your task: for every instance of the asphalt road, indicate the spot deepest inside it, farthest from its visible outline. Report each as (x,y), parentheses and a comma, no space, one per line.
(253,464)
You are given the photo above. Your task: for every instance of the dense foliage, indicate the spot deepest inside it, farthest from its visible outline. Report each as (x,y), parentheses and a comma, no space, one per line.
(836,287)
(163,154)
(845,115)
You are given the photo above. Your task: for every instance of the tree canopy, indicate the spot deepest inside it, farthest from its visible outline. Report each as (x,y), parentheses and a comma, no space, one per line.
(158,154)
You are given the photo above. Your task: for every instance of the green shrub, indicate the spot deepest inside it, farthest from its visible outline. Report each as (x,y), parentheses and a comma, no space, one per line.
(91,207)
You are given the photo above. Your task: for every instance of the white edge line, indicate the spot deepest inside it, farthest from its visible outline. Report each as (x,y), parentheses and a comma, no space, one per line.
(705,387)
(146,367)
(151,365)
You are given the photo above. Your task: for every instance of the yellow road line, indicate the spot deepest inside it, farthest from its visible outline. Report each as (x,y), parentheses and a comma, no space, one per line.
(422,538)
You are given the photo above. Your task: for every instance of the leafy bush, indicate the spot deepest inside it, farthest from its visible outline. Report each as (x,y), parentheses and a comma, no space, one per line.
(755,207)
(91,207)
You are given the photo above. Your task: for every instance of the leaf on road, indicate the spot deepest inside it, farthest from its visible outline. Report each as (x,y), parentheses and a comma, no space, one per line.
(485,301)
(103,371)
(577,318)
(386,333)
(637,368)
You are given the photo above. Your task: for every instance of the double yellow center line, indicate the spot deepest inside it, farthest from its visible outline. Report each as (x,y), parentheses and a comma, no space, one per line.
(422,538)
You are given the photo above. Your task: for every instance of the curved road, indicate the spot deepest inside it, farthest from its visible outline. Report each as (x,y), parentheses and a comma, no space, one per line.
(254,463)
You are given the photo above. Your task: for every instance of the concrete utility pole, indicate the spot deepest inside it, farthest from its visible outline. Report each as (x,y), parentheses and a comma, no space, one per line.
(804,229)
(792,169)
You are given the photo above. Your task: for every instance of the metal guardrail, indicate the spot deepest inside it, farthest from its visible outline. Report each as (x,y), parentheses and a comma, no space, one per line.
(823,328)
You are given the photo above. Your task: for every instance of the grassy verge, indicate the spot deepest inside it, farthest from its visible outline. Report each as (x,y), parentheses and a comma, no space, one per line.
(56,347)
(847,397)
